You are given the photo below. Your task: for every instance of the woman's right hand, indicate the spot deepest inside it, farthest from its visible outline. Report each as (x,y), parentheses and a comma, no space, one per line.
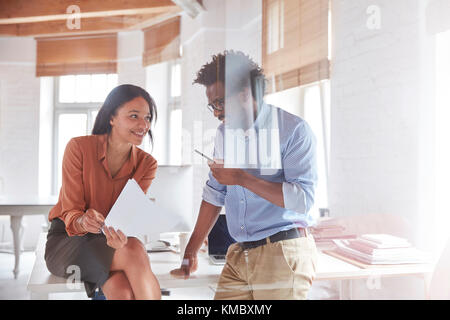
(91,221)
(115,239)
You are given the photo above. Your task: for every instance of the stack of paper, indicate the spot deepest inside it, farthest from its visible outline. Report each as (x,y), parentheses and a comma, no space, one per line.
(381,249)
(384,241)
(328,229)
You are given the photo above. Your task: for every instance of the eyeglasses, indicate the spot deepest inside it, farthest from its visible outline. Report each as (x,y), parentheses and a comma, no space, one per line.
(216,105)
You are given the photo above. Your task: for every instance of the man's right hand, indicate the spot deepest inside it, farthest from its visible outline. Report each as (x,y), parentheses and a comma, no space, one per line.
(188,266)
(91,221)
(207,216)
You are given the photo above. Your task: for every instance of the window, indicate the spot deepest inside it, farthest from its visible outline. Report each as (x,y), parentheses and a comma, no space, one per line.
(164,85)
(85,88)
(175,119)
(275,36)
(175,80)
(77,101)
(316,111)
(442,134)
(311,103)
(295,37)
(175,136)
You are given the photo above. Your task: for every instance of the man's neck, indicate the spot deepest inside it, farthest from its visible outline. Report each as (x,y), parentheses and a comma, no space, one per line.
(255,110)
(255,116)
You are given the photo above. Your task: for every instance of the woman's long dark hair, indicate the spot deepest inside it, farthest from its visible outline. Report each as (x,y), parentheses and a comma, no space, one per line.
(117,98)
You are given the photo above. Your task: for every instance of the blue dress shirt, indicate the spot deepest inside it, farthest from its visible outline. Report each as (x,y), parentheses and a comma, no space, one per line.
(251,217)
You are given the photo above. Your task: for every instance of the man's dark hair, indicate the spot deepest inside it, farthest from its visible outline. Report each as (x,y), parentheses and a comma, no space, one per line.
(116,99)
(236,71)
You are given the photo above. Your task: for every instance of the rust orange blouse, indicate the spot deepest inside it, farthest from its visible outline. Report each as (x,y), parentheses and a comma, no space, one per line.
(87,182)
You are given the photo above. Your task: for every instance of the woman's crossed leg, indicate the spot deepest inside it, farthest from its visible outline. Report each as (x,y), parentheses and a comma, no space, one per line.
(131,276)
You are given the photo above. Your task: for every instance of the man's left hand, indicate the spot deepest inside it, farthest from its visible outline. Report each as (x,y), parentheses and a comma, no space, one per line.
(227,176)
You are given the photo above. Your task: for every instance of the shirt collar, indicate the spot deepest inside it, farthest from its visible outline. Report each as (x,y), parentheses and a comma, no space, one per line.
(134,156)
(101,146)
(261,118)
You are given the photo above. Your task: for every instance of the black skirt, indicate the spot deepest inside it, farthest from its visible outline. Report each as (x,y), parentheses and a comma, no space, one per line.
(89,255)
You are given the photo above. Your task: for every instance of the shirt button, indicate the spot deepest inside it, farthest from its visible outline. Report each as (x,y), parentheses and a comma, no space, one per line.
(242,201)
(242,227)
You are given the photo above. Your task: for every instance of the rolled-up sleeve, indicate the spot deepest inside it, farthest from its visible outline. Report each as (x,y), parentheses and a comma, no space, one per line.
(300,170)
(214,192)
(149,174)
(73,204)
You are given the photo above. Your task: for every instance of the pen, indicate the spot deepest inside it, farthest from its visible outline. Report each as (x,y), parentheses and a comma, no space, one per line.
(204,155)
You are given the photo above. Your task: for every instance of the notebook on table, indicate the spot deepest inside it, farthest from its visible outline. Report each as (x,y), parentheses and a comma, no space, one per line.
(219,239)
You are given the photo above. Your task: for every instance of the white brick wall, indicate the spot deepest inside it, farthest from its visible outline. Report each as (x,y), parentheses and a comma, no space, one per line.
(130,49)
(19,128)
(381,110)
(374,109)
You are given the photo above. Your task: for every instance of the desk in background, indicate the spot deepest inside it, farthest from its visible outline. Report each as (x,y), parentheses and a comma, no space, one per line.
(17,207)
(329,268)
(41,282)
(344,271)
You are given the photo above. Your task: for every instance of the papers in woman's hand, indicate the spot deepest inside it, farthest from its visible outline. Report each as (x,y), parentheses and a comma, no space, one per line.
(136,215)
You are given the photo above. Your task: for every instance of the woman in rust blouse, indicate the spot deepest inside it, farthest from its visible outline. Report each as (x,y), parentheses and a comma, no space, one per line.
(95,169)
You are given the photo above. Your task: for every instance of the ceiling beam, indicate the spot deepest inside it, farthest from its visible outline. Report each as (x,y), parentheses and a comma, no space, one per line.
(30,11)
(90,25)
(191,7)
(160,18)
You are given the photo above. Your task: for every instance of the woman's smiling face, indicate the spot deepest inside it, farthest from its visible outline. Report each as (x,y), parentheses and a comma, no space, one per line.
(132,121)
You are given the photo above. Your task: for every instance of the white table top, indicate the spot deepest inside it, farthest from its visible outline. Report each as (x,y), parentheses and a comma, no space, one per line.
(331,268)
(163,262)
(28,200)
(328,268)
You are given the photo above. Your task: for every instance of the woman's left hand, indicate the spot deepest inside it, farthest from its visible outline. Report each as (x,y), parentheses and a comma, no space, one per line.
(116,240)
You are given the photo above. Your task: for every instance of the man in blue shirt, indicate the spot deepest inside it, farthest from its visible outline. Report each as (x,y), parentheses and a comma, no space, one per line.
(264,174)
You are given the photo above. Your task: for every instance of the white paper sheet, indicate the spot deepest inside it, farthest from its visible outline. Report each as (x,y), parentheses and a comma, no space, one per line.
(136,215)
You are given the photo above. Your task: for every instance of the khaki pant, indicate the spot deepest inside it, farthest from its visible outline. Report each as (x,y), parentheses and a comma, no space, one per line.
(279,270)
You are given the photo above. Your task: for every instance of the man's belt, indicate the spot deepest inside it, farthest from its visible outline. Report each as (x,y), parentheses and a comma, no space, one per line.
(282,235)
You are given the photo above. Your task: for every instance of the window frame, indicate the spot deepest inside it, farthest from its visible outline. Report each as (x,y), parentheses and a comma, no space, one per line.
(275,31)
(173,104)
(60,108)
(441,171)
(325,124)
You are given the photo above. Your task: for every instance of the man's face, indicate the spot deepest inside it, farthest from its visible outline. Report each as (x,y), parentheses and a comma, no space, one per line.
(216,97)
(238,113)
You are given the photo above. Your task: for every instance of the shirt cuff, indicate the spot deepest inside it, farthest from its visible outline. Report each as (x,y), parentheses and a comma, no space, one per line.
(294,197)
(213,196)
(69,221)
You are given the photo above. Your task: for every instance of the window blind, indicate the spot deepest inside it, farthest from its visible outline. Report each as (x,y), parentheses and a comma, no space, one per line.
(162,42)
(86,54)
(295,42)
